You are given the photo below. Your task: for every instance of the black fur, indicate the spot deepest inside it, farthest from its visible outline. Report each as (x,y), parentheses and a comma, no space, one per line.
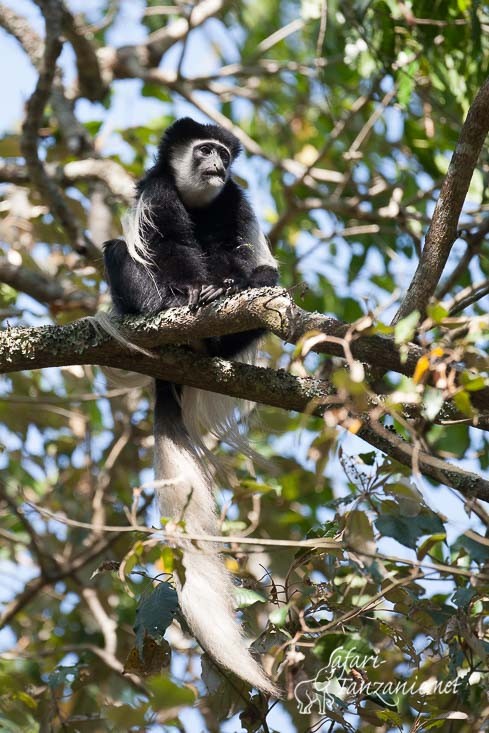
(189,248)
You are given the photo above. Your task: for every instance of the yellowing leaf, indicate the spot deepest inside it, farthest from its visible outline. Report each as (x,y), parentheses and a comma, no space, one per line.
(426,546)
(437,351)
(422,367)
(165,563)
(354,426)
(232,565)
(153,658)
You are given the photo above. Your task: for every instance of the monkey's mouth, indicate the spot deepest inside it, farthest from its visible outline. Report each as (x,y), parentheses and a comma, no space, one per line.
(214,174)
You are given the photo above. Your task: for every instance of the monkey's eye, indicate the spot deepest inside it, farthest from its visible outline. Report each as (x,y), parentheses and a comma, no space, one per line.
(224,157)
(205,149)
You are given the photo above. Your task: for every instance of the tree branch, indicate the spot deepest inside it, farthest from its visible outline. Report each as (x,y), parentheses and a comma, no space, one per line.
(81,343)
(113,175)
(45,289)
(268,308)
(443,228)
(94,546)
(33,119)
(271,309)
(76,137)
(90,81)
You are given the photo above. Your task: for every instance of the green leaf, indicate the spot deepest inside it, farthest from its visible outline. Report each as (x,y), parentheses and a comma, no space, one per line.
(452,439)
(473,382)
(155,613)
(407,530)
(433,401)
(437,312)
(126,716)
(368,458)
(388,716)
(246,597)
(406,84)
(462,597)
(406,328)
(463,403)
(278,616)
(93,126)
(477,551)
(359,533)
(166,694)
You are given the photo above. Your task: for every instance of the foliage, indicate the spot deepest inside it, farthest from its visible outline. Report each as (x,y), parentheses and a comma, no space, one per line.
(350,113)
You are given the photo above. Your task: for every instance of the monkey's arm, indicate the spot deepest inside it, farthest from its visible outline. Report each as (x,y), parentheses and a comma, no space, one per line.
(137,288)
(251,256)
(243,255)
(263,276)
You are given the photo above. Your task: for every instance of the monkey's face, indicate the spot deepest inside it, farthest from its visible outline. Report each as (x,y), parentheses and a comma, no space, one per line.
(201,171)
(210,164)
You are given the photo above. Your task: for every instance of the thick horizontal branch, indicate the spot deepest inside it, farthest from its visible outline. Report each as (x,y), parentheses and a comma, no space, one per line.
(82,342)
(267,308)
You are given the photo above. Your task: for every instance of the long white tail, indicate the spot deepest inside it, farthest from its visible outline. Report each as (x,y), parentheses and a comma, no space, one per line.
(185,493)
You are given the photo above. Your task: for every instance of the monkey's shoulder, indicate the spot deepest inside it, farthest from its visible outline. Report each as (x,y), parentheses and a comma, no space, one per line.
(114,250)
(112,245)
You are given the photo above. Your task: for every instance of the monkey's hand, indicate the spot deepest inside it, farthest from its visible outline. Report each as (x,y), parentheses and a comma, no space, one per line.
(199,297)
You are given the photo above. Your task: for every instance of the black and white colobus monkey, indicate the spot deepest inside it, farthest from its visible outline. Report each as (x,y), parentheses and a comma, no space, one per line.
(192,237)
